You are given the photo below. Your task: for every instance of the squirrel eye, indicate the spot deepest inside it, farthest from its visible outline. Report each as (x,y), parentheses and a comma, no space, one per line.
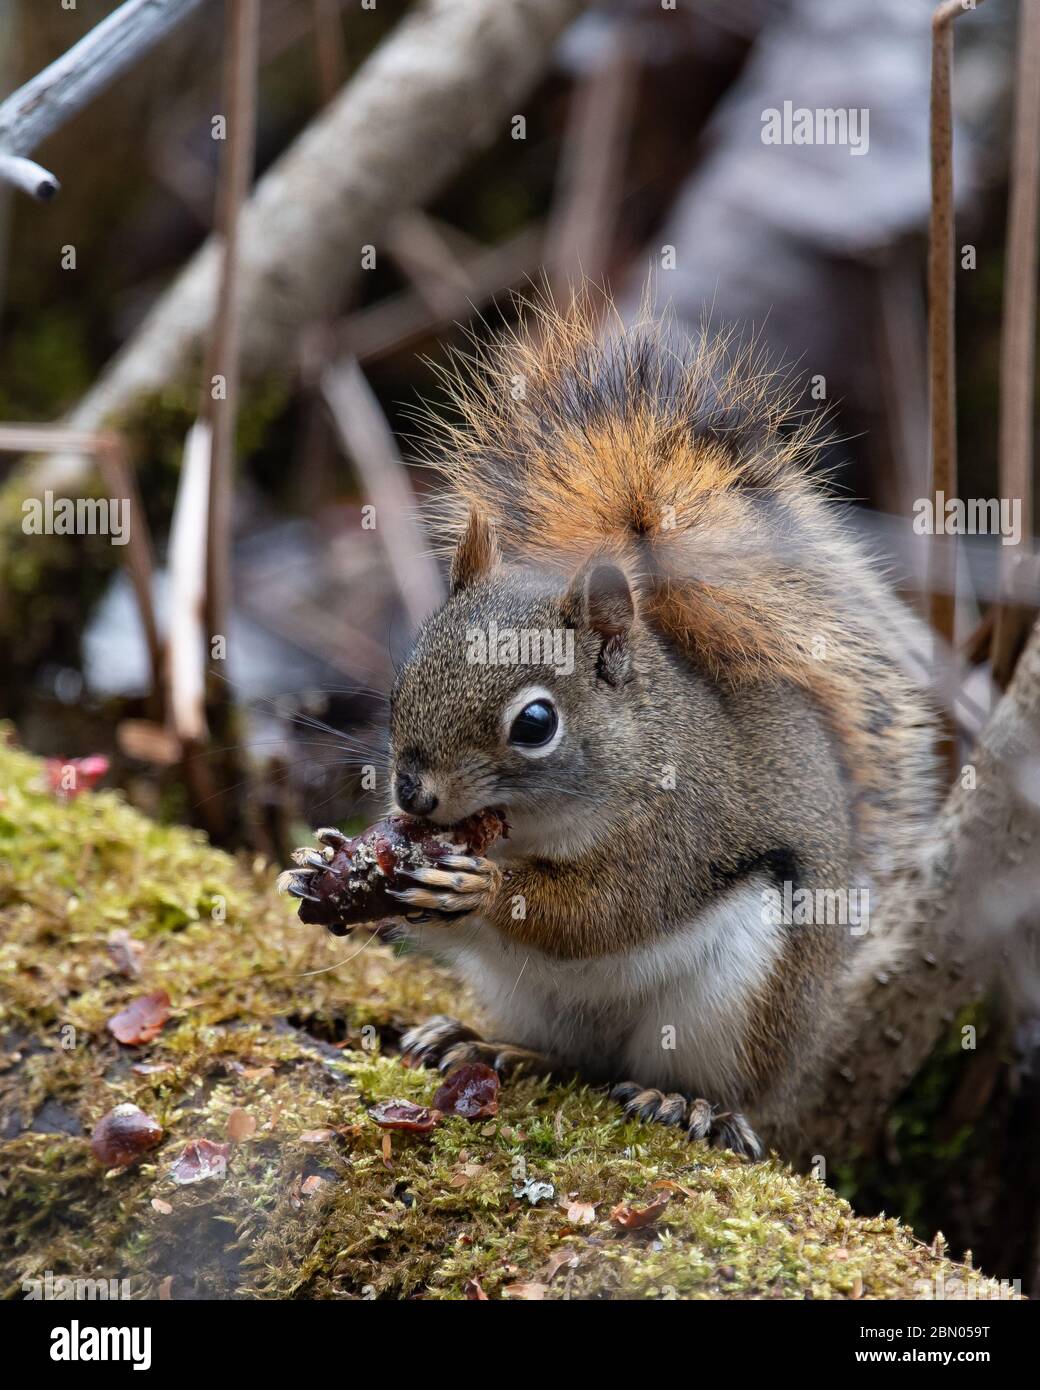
(534,725)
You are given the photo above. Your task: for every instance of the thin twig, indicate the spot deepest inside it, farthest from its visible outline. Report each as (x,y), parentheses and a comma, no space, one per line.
(28,176)
(329,48)
(43,439)
(363,428)
(589,183)
(1018,335)
(121,481)
(187,564)
(397,323)
(941,296)
(901,352)
(941,329)
(174,154)
(57,93)
(240,48)
(421,250)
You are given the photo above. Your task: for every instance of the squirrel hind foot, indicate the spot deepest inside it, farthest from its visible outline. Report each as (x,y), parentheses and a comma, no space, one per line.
(442,1043)
(504,1058)
(646,1103)
(703,1122)
(426,1043)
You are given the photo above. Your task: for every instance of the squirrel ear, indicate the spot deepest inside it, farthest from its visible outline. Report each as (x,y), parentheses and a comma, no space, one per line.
(600,599)
(476,553)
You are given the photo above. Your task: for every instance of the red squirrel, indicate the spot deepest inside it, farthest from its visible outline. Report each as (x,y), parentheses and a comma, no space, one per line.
(703,797)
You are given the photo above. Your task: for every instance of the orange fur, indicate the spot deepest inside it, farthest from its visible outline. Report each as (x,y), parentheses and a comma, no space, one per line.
(686,463)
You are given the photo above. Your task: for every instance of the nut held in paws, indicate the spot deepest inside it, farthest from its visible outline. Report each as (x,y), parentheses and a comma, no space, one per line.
(352,881)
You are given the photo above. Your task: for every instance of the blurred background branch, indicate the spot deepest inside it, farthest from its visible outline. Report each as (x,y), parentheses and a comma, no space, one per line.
(220,404)
(1018,329)
(454,67)
(367,437)
(63,88)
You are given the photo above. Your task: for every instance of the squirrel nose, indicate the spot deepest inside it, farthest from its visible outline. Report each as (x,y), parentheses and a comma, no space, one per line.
(412,798)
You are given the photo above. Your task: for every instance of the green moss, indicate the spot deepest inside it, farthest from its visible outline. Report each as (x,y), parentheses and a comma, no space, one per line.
(45,364)
(252,1030)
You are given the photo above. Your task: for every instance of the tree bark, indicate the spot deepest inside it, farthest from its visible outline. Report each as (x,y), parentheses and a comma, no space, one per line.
(975,901)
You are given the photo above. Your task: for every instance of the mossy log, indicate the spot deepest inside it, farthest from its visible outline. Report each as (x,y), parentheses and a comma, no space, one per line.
(315,1203)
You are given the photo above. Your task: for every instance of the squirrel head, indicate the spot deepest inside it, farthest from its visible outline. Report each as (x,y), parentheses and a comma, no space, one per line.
(520,690)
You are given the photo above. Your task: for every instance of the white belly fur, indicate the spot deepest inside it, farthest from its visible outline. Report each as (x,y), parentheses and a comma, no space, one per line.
(610,1017)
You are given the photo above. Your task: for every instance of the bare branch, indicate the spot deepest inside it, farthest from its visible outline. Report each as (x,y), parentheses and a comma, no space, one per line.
(42,439)
(429,262)
(366,435)
(396,323)
(588,191)
(28,176)
(121,481)
(440,86)
(941,299)
(57,93)
(1018,337)
(942,252)
(329,49)
(241,44)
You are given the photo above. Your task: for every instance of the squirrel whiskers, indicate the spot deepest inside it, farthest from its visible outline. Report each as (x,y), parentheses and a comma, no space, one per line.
(728,728)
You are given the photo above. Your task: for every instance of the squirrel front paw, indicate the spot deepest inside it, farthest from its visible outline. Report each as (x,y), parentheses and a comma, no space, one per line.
(459,885)
(722,1129)
(444,1043)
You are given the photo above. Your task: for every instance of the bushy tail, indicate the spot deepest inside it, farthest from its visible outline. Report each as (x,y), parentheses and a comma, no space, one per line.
(682,457)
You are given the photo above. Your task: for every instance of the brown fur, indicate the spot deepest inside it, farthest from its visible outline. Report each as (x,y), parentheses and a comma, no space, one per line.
(688,464)
(654,497)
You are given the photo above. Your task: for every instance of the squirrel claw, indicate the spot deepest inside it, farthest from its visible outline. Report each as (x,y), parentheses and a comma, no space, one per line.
(645,1103)
(426,1044)
(730,1130)
(294,882)
(328,835)
(309,858)
(503,1058)
(473,862)
(704,1122)
(444,1043)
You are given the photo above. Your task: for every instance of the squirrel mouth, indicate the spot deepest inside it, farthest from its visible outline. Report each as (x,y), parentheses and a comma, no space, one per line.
(446,822)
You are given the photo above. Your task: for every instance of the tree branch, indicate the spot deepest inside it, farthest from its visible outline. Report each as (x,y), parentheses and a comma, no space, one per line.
(942,253)
(937,934)
(363,430)
(57,93)
(1018,338)
(187,566)
(440,87)
(240,76)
